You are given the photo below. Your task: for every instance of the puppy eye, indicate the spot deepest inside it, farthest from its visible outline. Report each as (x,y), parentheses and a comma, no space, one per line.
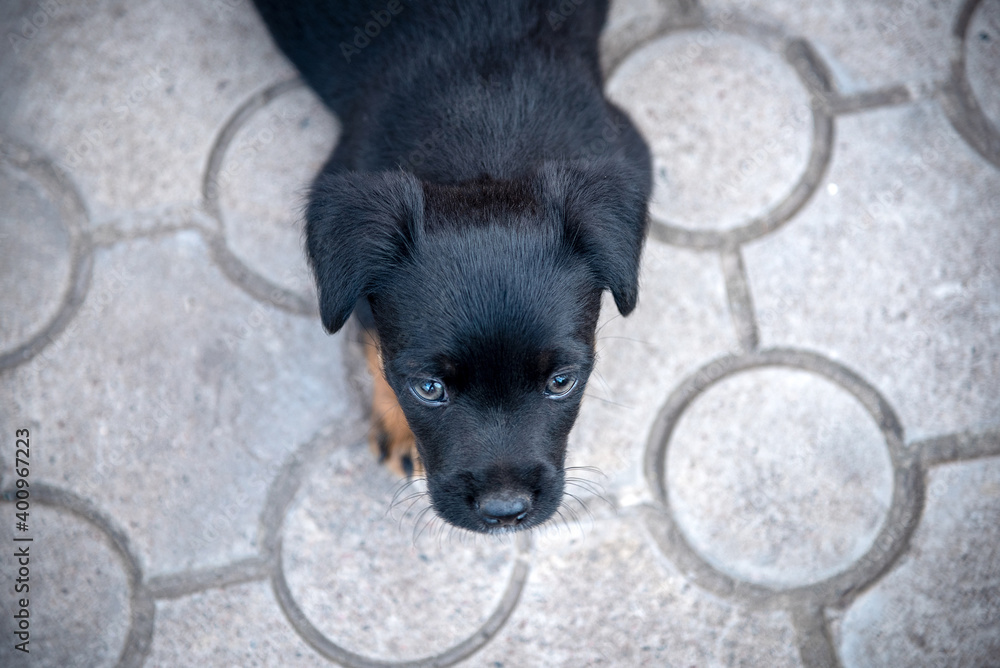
(429,391)
(560,385)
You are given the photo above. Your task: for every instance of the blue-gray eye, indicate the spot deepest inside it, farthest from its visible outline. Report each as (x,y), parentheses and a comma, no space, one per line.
(560,385)
(429,391)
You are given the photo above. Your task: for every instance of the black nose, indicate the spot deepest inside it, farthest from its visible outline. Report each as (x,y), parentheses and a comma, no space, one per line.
(503,508)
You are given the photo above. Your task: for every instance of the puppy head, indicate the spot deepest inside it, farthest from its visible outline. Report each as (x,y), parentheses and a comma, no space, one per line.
(485,298)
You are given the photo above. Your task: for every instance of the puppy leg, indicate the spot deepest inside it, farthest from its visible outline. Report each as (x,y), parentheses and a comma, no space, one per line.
(390,437)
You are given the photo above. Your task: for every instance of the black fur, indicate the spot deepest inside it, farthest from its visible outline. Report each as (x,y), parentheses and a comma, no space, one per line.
(483,195)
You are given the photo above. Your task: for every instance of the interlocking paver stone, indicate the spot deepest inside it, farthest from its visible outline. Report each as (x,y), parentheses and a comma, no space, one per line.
(628,24)
(642,356)
(388,588)
(160,79)
(184,461)
(35,266)
(898,272)
(78,596)
(867,44)
(263,181)
(941,605)
(982,58)
(649,614)
(729,126)
(779,477)
(213,629)
(812,368)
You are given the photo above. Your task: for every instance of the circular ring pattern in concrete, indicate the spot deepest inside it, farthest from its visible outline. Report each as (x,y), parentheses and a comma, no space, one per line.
(248,189)
(105,612)
(970,98)
(846,568)
(332,602)
(46,271)
(784,146)
(271,161)
(982,58)
(779,477)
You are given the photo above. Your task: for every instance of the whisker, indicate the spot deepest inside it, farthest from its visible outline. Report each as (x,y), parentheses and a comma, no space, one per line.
(441,530)
(609,320)
(582,505)
(575,523)
(409,497)
(589,469)
(416,496)
(399,490)
(563,520)
(416,524)
(623,338)
(572,513)
(580,480)
(588,486)
(604,383)
(607,401)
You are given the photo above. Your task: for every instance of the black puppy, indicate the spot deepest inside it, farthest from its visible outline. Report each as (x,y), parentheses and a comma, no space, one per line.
(482,197)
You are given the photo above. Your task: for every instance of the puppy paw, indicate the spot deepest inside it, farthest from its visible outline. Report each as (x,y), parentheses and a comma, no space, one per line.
(399,456)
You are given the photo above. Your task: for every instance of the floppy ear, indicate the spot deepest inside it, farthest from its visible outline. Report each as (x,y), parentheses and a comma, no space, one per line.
(602,205)
(358,226)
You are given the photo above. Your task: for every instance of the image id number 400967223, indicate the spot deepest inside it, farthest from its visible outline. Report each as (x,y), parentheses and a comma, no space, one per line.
(22,541)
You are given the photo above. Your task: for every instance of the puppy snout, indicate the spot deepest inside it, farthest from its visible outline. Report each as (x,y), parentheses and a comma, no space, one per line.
(503,508)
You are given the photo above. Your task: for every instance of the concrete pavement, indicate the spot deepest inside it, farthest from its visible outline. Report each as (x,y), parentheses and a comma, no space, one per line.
(789,456)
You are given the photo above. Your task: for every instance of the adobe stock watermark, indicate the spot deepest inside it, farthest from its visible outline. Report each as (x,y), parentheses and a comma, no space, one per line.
(225,8)
(119,445)
(38,18)
(244,153)
(557,17)
(715,29)
(362,37)
(94,305)
(468,104)
(792,124)
(263,317)
(229,514)
(606,144)
(889,21)
(881,207)
(598,146)
(155,78)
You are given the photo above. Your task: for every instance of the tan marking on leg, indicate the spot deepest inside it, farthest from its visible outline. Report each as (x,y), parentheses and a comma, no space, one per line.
(390,437)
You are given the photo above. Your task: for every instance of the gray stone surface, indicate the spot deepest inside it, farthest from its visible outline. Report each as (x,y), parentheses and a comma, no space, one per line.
(779,477)
(867,45)
(160,78)
(941,606)
(388,586)
(681,320)
(982,55)
(787,395)
(183,460)
(729,123)
(898,272)
(263,182)
(35,266)
(78,596)
(213,628)
(631,23)
(647,613)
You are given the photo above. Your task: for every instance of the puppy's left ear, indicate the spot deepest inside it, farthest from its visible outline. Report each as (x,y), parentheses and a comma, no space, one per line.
(602,205)
(358,226)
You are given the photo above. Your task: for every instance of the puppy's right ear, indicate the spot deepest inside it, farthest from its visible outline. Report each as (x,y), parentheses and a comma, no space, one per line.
(358,226)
